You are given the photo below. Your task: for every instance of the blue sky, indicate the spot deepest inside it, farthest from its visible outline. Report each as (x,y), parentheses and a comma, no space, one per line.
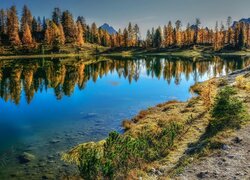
(146,13)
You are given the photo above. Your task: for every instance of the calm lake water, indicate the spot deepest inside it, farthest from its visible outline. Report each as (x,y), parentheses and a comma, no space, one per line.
(48,106)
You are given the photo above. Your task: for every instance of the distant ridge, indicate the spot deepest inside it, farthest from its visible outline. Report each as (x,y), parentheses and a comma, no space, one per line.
(108,28)
(245,20)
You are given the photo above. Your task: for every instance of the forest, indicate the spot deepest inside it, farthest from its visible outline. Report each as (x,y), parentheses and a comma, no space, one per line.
(62,28)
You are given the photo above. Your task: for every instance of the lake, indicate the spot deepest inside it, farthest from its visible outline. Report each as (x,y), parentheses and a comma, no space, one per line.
(48,106)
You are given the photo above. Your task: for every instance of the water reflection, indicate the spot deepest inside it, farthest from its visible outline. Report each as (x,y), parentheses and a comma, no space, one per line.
(63,76)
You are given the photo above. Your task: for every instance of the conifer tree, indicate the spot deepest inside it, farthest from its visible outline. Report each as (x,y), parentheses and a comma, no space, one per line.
(94,33)
(13,26)
(61,34)
(57,16)
(26,18)
(137,35)
(178,39)
(82,21)
(168,34)
(125,38)
(69,27)
(27,37)
(197,27)
(242,36)
(149,39)
(80,40)
(158,38)
(2,25)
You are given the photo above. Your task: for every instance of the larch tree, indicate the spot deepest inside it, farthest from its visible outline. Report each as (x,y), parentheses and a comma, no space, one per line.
(125,38)
(217,38)
(131,35)
(27,36)
(94,33)
(197,27)
(137,35)
(119,38)
(69,27)
(168,34)
(26,18)
(82,20)
(13,26)
(178,36)
(61,34)
(80,40)
(2,25)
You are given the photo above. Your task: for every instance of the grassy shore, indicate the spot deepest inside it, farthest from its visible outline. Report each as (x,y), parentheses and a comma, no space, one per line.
(90,49)
(48,52)
(197,51)
(167,138)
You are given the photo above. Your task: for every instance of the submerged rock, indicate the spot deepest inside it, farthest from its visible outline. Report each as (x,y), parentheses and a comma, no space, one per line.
(54,141)
(26,157)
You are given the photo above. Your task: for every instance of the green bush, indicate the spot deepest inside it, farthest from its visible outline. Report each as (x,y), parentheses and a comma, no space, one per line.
(227,112)
(89,163)
(121,153)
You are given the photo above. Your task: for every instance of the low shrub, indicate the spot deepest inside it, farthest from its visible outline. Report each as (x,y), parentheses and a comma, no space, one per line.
(227,112)
(121,153)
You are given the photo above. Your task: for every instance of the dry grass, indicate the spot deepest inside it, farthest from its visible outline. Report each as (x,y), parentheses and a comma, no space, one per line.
(243,82)
(194,117)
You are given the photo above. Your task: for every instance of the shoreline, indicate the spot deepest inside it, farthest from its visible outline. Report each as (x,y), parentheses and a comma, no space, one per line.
(131,53)
(179,111)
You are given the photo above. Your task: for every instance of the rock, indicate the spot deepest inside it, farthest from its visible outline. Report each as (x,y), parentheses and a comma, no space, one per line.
(54,141)
(225,147)
(26,157)
(50,157)
(239,174)
(153,170)
(237,140)
(204,174)
(230,156)
(158,173)
(163,169)
(223,159)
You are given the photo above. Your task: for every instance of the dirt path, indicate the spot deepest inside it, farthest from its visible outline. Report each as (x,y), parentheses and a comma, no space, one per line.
(232,162)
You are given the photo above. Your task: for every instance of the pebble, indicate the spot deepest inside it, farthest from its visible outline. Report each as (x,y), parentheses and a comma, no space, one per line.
(153,170)
(204,174)
(225,147)
(26,158)
(237,140)
(158,173)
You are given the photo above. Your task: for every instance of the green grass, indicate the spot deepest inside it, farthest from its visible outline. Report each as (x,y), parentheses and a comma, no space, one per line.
(67,50)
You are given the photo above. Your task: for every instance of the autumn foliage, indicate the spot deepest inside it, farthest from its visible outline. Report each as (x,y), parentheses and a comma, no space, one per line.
(62,28)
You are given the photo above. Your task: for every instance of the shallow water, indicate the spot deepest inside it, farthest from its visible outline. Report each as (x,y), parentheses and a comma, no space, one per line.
(49,105)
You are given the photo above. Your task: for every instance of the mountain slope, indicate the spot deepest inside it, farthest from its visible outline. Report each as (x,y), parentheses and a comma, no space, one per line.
(108,28)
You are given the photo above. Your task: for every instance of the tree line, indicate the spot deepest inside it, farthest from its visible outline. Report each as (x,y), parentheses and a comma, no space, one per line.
(62,29)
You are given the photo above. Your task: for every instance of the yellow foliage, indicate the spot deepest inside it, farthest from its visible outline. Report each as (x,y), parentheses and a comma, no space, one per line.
(248,86)
(242,83)
(72,156)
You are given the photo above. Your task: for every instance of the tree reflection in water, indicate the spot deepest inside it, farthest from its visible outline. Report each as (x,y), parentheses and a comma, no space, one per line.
(63,75)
